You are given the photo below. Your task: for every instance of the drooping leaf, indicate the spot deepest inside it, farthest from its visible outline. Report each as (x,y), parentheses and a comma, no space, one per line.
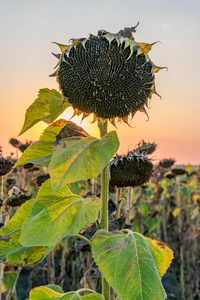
(9,279)
(47,107)
(28,255)
(127,263)
(55,288)
(11,232)
(57,106)
(46,293)
(161,253)
(40,152)
(56,216)
(78,157)
(10,247)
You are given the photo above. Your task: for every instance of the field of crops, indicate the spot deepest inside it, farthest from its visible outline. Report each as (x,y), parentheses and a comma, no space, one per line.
(167,207)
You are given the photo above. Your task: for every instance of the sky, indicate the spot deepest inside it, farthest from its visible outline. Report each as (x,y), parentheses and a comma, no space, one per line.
(28,28)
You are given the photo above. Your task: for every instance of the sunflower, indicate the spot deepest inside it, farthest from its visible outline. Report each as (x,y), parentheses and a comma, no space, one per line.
(166,163)
(132,169)
(147,148)
(6,165)
(109,75)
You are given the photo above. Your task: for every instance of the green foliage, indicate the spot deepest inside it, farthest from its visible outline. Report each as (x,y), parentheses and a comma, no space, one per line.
(130,262)
(9,280)
(78,158)
(46,293)
(9,244)
(55,216)
(41,152)
(55,288)
(47,107)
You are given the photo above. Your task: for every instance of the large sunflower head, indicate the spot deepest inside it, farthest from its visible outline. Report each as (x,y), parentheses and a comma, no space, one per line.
(132,169)
(110,75)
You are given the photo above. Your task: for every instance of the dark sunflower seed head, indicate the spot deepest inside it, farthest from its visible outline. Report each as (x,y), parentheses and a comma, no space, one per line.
(178,171)
(42,178)
(169,175)
(130,170)
(166,163)
(19,199)
(6,165)
(106,77)
(147,148)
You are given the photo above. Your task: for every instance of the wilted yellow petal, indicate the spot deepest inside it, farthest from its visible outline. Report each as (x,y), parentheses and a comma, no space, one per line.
(62,47)
(95,118)
(110,37)
(91,36)
(132,44)
(85,115)
(77,41)
(117,39)
(156,69)
(153,91)
(146,47)
(112,121)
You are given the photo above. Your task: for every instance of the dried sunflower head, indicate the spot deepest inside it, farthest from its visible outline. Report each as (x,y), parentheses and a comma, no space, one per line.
(110,75)
(147,148)
(130,170)
(166,163)
(6,165)
(17,144)
(178,171)
(169,175)
(18,200)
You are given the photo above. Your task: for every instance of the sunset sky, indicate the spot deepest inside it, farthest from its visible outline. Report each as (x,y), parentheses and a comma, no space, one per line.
(28,28)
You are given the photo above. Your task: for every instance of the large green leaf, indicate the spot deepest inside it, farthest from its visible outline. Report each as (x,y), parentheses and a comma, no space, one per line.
(9,279)
(46,293)
(56,216)
(76,158)
(47,107)
(127,263)
(10,247)
(40,152)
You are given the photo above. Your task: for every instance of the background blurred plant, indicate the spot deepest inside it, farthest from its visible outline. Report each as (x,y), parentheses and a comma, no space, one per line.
(164,207)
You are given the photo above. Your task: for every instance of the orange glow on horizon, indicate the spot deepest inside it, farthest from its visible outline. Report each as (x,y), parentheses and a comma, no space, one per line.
(26,62)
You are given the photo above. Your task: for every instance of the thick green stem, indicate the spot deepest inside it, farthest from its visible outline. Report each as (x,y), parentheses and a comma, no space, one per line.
(103,125)
(104,197)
